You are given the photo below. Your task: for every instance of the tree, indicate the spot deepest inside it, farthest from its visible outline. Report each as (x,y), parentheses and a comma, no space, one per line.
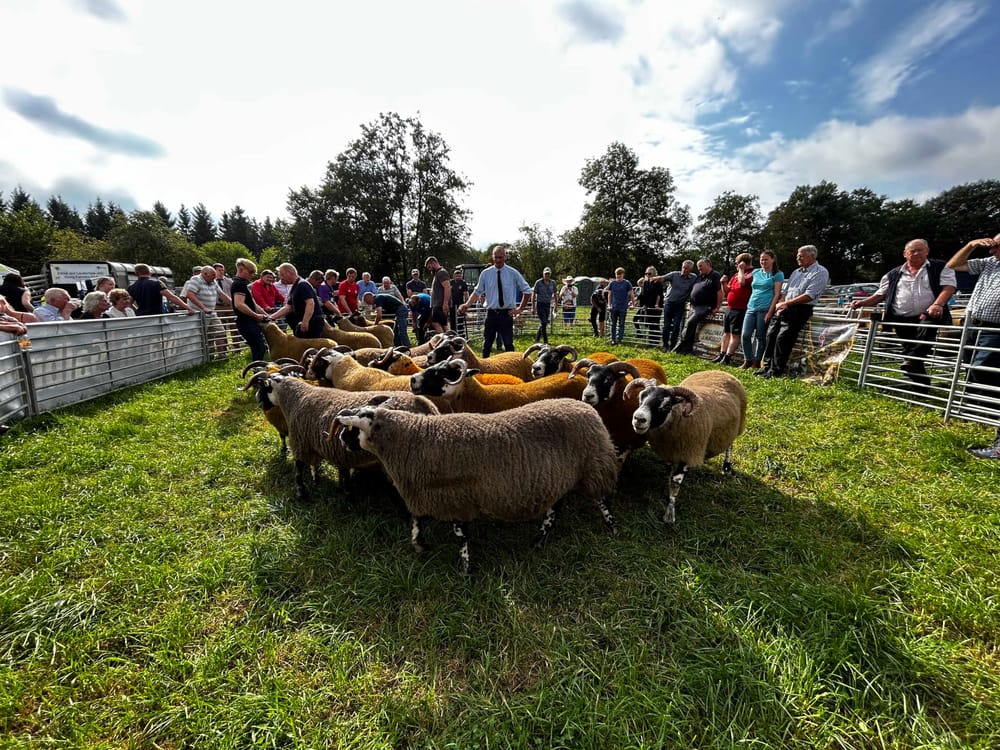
(235,226)
(632,218)
(389,199)
(25,235)
(20,199)
(160,210)
(202,225)
(184,222)
(535,249)
(142,237)
(62,215)
(98,220)
(731,225)
(965,212)
(226,253)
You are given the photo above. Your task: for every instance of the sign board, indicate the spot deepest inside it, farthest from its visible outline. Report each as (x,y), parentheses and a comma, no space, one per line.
(76,273)
(5,269)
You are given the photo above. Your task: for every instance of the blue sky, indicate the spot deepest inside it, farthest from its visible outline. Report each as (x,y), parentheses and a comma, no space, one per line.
(237,102)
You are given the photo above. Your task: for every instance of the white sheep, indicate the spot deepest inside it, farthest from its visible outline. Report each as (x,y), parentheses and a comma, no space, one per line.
(310,411)
(690,422)
(512,466)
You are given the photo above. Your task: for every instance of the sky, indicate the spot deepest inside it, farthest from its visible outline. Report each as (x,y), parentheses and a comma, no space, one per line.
(235,103)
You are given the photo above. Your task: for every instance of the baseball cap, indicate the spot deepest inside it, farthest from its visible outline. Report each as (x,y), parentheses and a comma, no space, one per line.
(547,270)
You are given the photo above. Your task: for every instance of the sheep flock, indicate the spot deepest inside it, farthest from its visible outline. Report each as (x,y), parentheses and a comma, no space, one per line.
(508,438)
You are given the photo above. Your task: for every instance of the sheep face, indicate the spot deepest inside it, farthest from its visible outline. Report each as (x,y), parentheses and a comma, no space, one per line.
(445,349)
(550,359)
(357,427)
(443,379)
(321,366)
(600,380)
(658,405)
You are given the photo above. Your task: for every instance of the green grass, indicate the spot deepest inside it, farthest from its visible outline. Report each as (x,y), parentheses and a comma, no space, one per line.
(160,587)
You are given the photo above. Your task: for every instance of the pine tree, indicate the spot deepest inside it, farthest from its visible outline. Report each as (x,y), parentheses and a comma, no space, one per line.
(202,226)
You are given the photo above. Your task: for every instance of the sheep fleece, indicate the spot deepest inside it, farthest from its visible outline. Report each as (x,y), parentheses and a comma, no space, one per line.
(511,466)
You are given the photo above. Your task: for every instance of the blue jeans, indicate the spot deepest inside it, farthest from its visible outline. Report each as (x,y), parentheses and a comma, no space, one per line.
(754,335)
(399,335)
(988,338)
(618,324)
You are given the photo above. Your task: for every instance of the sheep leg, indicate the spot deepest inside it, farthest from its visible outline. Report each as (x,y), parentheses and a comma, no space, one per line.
(727,461)
(463,550)
(607,515)
(284,446)
(417,535)
(300,482)
(676,479)
(547,523)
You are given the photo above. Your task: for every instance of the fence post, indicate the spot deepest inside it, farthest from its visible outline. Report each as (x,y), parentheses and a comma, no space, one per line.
(866,357)
(958,369)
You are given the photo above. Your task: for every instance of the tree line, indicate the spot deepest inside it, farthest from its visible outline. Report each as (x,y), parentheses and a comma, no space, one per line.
(392,197)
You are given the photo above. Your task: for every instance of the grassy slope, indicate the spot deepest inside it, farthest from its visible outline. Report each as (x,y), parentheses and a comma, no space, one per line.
(160,586)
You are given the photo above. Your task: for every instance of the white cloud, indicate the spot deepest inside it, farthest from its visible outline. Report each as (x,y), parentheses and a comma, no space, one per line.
(880,78)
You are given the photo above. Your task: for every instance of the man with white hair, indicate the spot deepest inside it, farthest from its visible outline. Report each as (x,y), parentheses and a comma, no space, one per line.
(983,312)
(204,295)
(58,306)
(794,308)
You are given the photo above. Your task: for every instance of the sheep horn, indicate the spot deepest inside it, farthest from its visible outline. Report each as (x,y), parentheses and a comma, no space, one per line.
(307,354)
(580,365)
(693,399)
(289,369)
(532,348)
(567,350)
(343,349)
(639,384)
(287,361)
(257,377)
(255,363)
(624,367)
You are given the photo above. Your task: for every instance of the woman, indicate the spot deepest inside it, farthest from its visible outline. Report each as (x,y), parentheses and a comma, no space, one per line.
(765,288)
(95,306)
(567,300)
(12,321)
(17,293)
(737,290)
(121,304)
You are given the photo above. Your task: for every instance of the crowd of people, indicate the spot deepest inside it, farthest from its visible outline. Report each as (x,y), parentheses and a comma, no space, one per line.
(765,310)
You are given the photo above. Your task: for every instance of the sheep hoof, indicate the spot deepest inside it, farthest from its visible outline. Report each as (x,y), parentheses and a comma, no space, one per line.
(670,516)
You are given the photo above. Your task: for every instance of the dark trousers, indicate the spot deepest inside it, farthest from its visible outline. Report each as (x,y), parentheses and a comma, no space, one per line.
(782,334)
(695,317)
(399,335)
(919,336)
(544,310)
(250,331)
(597,313)
(980,357)
(673,316)
(315,328)
(499,326)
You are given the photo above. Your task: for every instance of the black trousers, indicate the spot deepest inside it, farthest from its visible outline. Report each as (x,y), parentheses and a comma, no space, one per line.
(782,333)
(499,326)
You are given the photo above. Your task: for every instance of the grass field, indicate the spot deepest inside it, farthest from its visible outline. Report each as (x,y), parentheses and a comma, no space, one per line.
(161,587)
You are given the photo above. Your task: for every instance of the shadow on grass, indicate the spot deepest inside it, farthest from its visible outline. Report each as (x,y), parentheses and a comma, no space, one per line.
(757,614)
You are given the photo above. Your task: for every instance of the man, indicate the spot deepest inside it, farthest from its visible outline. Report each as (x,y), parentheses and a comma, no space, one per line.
(265,293)
(983,311)
(676,302)
(205,295)
(248,315)
(347,293)
(415,285)
(916,298)
(621,296)
(542,294)
(420,310)
(58,306)
(459,294)
(224,282)
(389,288)
(706,299)
(647,316)
(327,289)
(793,310)
(499,286)
(393,305)
(148,293)
(305,316)
(440,294)
(366,285)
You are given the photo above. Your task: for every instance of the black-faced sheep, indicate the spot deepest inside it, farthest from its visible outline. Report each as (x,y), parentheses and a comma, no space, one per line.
(507,363)
(690,423)
(553,359)
(310,411)
(511,467)
(453,380)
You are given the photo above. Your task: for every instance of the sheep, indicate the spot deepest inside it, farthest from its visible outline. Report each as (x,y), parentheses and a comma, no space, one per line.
(310,411)
(690,422)
(553,359)
(453,381)
(509,363)
(353,339)
(343,371)
(272,414)
(383,334)
(382,330)
(281,344)
(395,362)
(537,454)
